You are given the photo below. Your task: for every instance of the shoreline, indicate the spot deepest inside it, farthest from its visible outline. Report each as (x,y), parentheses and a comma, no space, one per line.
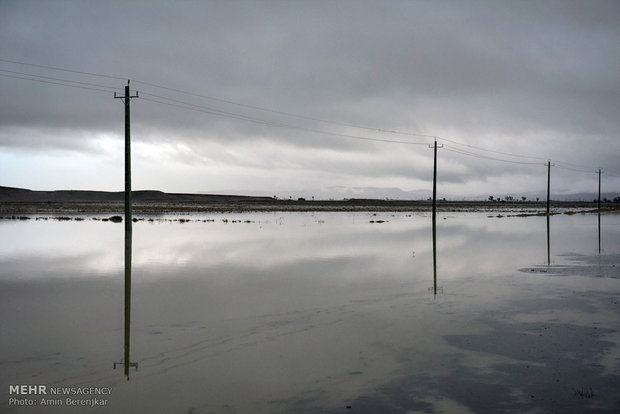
(11,210)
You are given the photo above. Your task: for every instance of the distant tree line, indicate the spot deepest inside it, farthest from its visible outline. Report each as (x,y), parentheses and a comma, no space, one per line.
(511,198)
(508,198)
(606,200)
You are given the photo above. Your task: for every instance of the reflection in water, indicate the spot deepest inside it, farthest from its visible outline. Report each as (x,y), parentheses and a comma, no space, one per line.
(548,241)
(434,288)
(599,231)
(316,314)
(128,253)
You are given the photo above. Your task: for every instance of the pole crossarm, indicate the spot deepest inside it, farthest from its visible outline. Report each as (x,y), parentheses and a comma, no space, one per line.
(124,97)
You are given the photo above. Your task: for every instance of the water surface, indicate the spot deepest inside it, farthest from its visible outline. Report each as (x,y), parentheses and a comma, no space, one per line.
(317,312)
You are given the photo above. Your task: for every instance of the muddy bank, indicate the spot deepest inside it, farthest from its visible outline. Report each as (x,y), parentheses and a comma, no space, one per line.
(598,266)
(112,208)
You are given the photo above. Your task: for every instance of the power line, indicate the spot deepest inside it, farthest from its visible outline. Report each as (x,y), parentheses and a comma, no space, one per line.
(220,99)
(473,154)
(487,150)
(558,165)
(55,83)
(112,88)
(259,108)
(63,69)
(183,104)
(211,111)
(217,112)
(573,165)
(575,169)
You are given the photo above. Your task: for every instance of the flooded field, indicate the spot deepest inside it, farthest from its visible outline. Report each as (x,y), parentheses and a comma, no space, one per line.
(328,312)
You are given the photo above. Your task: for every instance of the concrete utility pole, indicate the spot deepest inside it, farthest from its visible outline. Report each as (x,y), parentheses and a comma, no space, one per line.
(434,183)
(126,100)
(599,188)
(548,184)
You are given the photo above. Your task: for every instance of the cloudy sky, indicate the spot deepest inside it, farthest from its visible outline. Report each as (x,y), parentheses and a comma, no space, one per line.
(301,97)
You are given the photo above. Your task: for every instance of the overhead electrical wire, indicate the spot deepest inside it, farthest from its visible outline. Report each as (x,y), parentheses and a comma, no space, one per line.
(259,108)
(199,108)
(491,151)
(187,105)
(62,69)
(575,169)
(54,83)
(212,111)
(571,165)
(219,99)
(163,100)
(610,175)
(472,154)
(68,81)
(555,164)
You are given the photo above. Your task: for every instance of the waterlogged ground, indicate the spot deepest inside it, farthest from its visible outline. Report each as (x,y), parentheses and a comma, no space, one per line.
(316,312)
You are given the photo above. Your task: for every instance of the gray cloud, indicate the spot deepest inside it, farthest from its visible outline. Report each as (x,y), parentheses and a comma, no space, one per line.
(536,78)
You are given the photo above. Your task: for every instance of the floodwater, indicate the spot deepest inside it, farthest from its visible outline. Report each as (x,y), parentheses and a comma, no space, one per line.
(314,312)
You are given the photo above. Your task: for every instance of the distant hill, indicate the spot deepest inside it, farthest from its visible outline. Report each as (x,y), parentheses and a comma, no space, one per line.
(395,193)
(21,195)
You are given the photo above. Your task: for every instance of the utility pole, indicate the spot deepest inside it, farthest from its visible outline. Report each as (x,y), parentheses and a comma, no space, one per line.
(599,211)
(548,184)
(126,100)
(599,188)
(434,183)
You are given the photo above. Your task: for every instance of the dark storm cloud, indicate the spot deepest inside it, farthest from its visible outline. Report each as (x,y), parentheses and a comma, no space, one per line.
(509,70)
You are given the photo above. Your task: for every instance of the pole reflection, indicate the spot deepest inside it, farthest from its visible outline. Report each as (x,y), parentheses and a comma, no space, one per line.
(128,255)
(599,232)
(548,241)
(435,289)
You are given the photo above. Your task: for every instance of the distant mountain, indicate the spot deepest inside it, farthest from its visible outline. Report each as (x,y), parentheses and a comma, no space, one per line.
(342,192)
(378,193)
(395,193)
(21,195)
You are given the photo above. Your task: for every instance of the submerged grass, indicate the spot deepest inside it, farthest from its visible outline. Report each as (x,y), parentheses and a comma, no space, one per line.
(584,392)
